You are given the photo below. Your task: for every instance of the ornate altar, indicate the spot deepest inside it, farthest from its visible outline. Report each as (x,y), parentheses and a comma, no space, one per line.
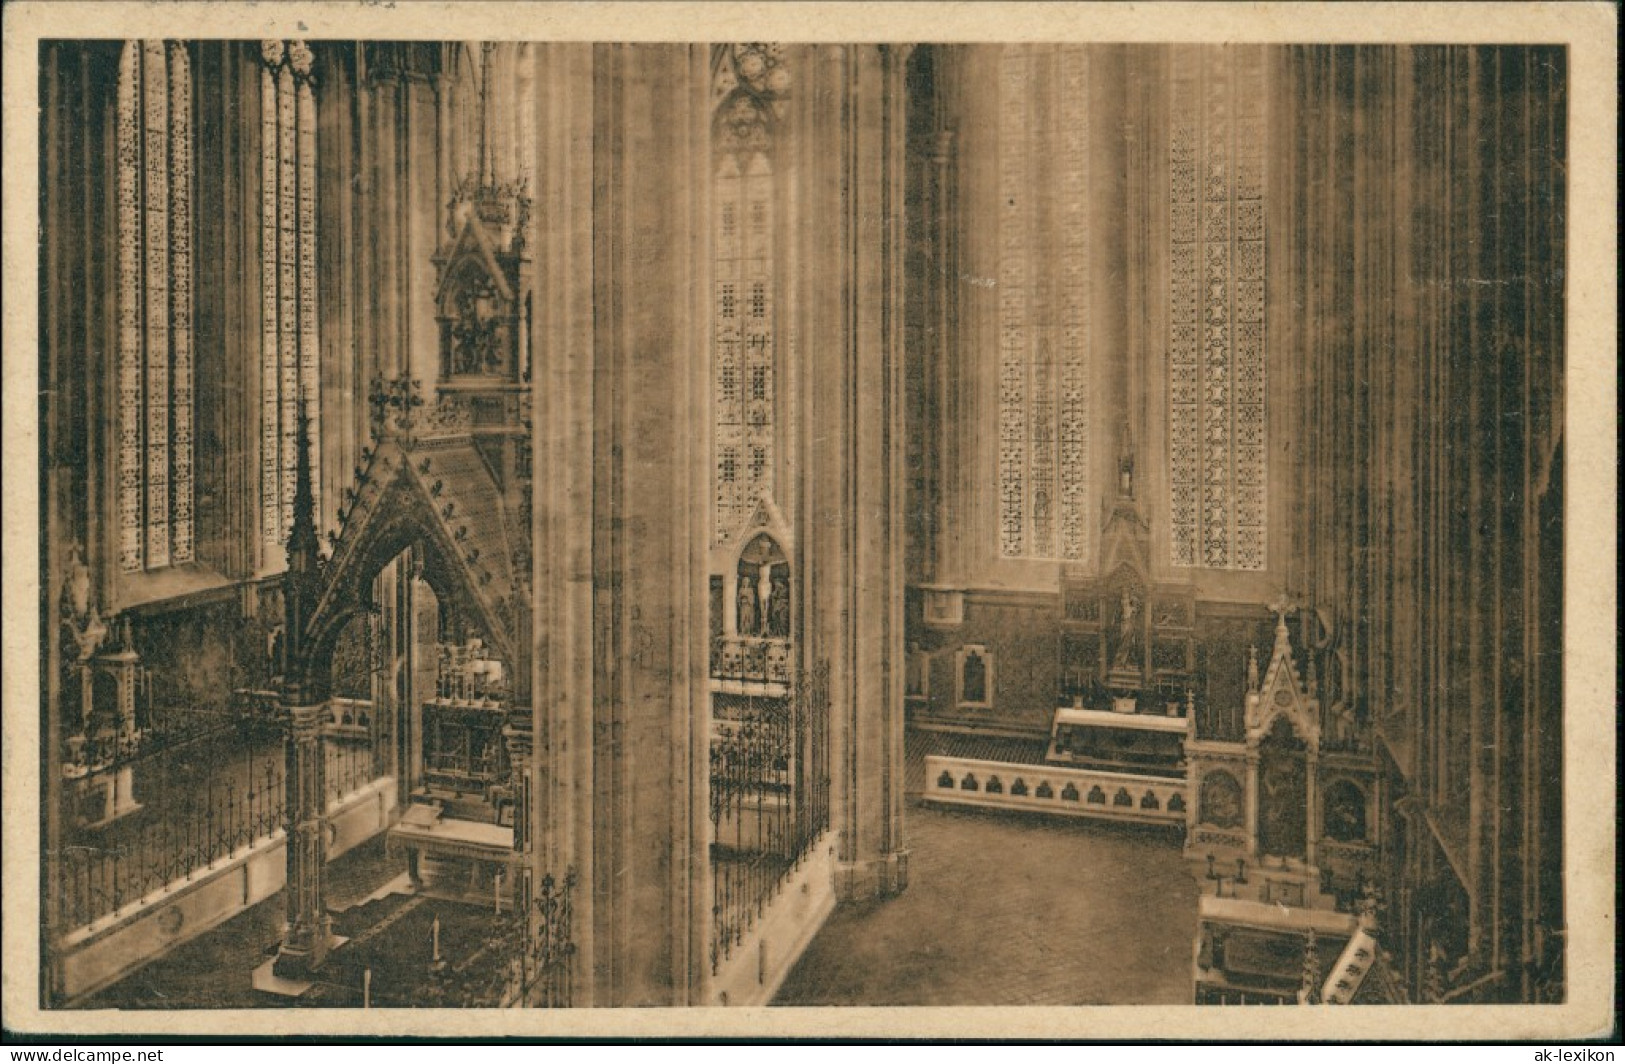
(463,748)
(1279,838)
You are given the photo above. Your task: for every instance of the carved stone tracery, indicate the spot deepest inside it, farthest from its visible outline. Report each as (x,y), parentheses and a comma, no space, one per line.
(289,350)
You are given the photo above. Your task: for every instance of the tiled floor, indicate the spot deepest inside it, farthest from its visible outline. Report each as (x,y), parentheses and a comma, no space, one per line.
(1003,909)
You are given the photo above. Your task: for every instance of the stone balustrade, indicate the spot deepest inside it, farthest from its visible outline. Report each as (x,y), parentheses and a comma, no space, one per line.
(1054,789)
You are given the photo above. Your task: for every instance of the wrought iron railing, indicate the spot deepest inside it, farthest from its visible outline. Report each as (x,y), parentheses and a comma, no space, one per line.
(164,852)
(349,768)
(525,960)
(161,853)
(769,799)
(751,659)
(162,728)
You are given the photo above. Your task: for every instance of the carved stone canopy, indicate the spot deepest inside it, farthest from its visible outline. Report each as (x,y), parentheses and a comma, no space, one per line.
(477,301)
(1282,694)
(438,494)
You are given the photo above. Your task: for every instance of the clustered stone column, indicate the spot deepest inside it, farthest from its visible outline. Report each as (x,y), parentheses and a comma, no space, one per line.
(308,934)
(306,938)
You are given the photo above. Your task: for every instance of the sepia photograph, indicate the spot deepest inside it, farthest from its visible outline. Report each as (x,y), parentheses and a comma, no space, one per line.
(1048,519)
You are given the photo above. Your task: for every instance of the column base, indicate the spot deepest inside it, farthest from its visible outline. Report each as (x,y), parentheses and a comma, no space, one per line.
(296,964)
(290,973)
(876,877)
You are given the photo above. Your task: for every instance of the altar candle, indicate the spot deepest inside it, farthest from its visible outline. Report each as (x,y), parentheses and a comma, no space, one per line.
(434,934)
(496,892)
(366,989)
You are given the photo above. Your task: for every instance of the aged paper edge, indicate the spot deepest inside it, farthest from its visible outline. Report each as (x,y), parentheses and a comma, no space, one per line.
(1589,30)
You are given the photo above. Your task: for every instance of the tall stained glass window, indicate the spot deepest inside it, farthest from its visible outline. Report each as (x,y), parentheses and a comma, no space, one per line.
(1216,359)
(154,208)
(1043,293)
(751,84)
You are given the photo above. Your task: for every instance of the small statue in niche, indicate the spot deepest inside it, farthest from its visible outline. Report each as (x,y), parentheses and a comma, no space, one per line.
(778,607)
(746,606)
(273,649)
(1342,730)
(476,331)
(973,685)
(914,665)
(1128,632)
(1345,813)
(1282,826)
(1221,800)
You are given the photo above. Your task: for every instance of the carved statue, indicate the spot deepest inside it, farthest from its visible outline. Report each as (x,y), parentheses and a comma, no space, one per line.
(914,667)
(78,608)
(1282,808)
(746,601)
(476,332)
(1128,632)
(778,608)
(273,649)
(1342,730)
(973,687)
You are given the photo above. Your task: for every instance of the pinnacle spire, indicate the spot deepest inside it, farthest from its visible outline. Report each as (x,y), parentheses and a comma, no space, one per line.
(302,534)
(299,580)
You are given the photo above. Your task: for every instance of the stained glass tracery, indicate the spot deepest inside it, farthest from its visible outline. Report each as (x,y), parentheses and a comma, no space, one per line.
(153,161)
(1043,284)
(1216,364)
(752,83)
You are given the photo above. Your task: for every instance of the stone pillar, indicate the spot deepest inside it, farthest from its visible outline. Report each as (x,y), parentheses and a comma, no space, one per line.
(851,160)
(561,359)
(305,939)
(648,699)
(308,934)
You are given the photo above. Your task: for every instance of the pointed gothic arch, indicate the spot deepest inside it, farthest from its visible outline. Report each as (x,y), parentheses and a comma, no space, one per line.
(442,502)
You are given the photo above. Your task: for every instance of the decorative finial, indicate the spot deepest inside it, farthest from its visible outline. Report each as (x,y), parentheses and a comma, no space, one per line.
(1369,903)
(1281,606)
(1308,990)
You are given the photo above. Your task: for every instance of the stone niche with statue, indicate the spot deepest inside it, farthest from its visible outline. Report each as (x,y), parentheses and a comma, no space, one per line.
(481,299)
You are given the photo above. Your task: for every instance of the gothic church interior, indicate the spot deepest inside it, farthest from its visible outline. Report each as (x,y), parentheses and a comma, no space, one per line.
(557,524)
